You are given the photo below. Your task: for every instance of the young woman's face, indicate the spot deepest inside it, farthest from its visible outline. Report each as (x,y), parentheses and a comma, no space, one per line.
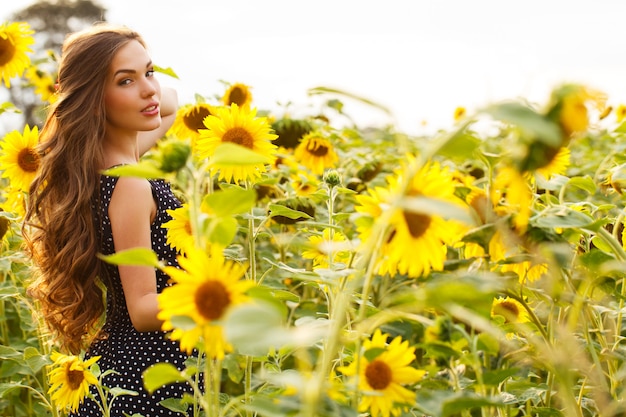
(132,93)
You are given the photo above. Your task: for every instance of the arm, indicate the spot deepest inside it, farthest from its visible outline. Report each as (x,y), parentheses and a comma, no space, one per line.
(131,212)
(168,107)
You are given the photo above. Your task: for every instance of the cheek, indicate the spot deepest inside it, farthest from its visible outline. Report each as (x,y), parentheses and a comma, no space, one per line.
(113,104)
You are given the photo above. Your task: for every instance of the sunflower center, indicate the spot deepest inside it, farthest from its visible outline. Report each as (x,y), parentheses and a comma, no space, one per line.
(7,51)
(28,160)
(378,375)
(239,136)
(74,378)
(212,299)
(417,223)
(317,149)
(508,310)
(194,120)
(238,96)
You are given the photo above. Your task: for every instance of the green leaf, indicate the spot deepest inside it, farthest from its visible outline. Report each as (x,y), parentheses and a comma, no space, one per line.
(7,106)
(256,328)
(135,257)
(621,128)
(528,120)
(466,401)
(327,90)
(280,210)
(229,202)
(562,216)
(497,376)
(161,374)
(229,153)
(221,230)
(460,145)
(585,183)
(7,387)
(142,169)
(167,71)
(117,391)
(35,360)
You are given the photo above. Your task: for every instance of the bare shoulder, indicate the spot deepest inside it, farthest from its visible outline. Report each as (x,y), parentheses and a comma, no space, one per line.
(132,196)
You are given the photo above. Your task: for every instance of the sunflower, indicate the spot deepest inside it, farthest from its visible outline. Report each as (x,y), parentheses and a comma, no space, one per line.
(416,242)
(620,113)
(70,378)
(203,291)
(500,249)
(382,370)
(331,243)
(510,309)
(238,125)
(316,153)
(557,165)
(569,107)
(189,120)
(459,113)
(20,160)
(179,233)
(511,194)
(14,41)
(304,184)
(238,94)
(43,83)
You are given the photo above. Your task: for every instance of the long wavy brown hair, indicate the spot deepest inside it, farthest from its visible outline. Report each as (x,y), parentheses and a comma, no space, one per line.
(60,229)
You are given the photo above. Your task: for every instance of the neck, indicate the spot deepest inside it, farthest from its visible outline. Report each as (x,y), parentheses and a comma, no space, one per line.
(120,150)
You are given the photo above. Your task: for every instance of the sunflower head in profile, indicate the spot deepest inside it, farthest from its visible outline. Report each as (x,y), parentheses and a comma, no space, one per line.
(290,131)
(238,94)
(511,194)
(383,370)
(204,290)
(20,160)
(15,39)
(241,126)
(316,153)
(189,120)
(569,107)
(43,83)
(557,165)
(70,378)
(179,233)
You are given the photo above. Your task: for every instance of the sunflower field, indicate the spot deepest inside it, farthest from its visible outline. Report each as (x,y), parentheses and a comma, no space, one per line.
(330,269)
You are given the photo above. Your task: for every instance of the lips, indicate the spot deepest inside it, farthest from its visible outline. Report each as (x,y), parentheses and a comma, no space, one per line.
(151,109)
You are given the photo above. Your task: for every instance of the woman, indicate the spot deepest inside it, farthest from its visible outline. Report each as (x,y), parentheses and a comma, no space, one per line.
(110,110)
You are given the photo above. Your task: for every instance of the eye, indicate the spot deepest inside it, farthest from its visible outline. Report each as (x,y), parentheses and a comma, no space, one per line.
(125,81)
(150,73)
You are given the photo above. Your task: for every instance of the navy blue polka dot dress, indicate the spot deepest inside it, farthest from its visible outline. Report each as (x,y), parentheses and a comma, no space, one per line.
(126,350)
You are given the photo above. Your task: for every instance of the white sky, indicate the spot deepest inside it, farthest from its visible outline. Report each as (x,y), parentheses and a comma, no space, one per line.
(421,58)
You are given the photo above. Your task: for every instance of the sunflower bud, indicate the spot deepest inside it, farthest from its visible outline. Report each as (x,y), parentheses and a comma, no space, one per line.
(173,155)
(617,178)
(4,226)
(332,178)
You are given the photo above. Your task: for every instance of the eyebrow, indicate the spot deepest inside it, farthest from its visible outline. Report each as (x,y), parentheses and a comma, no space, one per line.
(130,71)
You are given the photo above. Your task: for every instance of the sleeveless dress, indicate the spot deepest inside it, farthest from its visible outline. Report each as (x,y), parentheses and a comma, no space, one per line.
(124,349)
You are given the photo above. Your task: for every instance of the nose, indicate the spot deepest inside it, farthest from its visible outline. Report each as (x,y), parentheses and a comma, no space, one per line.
(150,87)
